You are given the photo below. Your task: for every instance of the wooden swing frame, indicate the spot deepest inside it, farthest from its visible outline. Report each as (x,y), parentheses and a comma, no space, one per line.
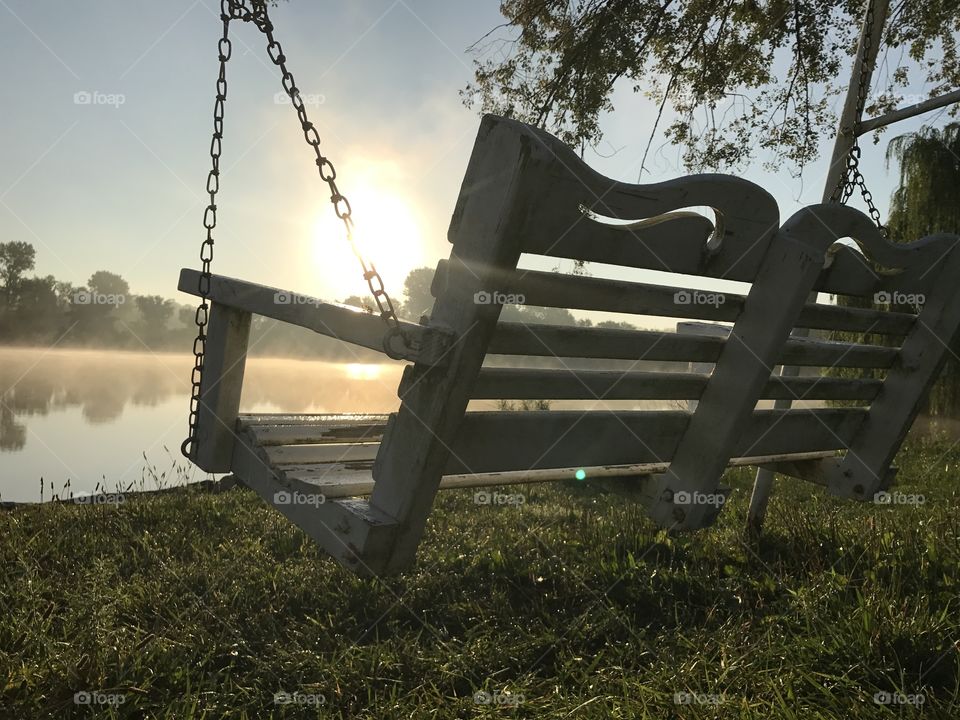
(525,192)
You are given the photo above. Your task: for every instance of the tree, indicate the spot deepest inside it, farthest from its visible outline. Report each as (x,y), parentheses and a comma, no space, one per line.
(94,308)
(534,315)
(155,310)
(38,315)
(16,258)
(926,200)
(103,282)
(155,313)
(614,325)
(418,300)
(712,61)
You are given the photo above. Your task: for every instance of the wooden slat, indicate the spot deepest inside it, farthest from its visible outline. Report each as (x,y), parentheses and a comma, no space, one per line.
(564,341)
(557,227)
(602,294)
(497,441)
(326,453)
(315,433)
(555,224)
(533,384)
(341,322)
(850,273)
(328,419)
(678,246)
(336,481)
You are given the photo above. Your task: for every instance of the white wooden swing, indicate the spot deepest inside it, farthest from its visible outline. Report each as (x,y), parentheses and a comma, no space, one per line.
(525,192)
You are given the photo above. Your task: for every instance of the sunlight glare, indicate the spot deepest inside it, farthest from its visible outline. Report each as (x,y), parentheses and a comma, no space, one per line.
(386,231)
(362,371)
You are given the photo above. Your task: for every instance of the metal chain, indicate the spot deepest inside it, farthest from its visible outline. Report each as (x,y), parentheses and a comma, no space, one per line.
(228,11)
(341,206)
(852,177)
(257,14)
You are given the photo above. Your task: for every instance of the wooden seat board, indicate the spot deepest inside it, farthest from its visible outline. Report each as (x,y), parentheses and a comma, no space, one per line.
(502,441)
(337,480)
(331,419)
(321,453)
(498,441)
(314,434)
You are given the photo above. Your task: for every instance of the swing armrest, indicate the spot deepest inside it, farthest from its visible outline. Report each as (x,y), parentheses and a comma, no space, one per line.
(349,324)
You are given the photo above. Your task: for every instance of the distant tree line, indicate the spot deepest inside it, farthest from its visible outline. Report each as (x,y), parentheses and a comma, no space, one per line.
(37,310)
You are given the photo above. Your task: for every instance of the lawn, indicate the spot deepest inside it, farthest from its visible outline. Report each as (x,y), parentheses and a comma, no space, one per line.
(192,604)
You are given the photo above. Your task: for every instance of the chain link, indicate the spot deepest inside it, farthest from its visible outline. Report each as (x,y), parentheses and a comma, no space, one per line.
(852,178)
(257,14)
(328,172)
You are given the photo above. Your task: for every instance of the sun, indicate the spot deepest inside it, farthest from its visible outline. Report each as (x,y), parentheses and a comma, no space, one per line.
(362,371)
(386,231)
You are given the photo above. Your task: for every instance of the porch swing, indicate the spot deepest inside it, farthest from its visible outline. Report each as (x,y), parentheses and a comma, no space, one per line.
(362,486)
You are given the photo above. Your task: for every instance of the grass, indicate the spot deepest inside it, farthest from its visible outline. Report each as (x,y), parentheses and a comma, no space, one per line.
(190,604)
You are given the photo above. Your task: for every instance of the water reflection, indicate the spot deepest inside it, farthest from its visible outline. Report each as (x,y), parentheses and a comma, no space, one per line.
(38,382)
(13,435)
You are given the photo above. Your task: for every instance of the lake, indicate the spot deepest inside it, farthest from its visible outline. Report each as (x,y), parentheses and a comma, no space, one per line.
(110,417)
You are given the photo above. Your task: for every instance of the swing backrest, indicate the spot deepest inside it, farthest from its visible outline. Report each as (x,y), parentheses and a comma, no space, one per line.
(525,192)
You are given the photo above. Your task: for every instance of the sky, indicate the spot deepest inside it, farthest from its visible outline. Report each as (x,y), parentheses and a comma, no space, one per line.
(107,116)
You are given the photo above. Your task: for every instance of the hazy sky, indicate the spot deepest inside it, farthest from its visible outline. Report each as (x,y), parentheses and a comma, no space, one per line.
(117,183)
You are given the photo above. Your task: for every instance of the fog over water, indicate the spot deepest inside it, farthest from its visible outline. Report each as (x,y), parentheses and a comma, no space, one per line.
(91,415)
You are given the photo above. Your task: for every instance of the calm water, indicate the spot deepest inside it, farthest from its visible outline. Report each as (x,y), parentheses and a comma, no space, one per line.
(94,416)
